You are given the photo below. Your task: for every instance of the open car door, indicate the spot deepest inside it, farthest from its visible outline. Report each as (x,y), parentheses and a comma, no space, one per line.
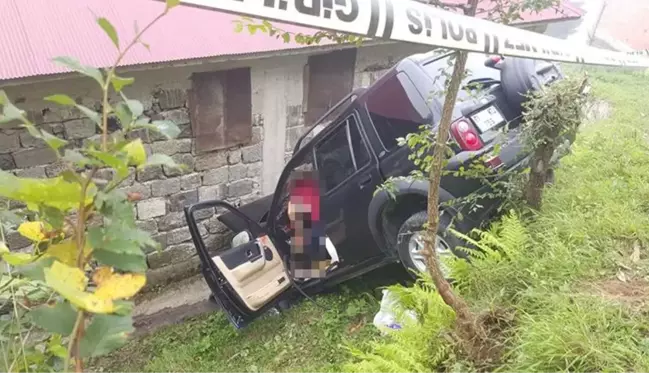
(247,277)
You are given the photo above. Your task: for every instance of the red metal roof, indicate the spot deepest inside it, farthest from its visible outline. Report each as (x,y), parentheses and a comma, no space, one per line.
(32,32)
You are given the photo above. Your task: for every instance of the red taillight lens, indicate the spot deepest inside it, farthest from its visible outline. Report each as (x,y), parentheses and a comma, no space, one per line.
(471,139)
(466,135)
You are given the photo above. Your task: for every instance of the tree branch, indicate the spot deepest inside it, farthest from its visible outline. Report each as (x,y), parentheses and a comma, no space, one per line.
(445,5)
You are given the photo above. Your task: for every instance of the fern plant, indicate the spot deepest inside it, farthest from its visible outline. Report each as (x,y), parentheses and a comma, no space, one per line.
(422,345)
(505,241)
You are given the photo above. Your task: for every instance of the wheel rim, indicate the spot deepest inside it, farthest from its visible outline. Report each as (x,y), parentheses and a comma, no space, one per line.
(416,246)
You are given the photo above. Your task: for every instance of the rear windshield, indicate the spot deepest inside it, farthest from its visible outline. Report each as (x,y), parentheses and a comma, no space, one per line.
(476,70)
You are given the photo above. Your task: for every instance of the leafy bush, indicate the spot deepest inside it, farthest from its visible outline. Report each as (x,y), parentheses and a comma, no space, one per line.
(87,258)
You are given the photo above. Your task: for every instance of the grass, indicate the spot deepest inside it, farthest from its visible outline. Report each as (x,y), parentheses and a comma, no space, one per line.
(307,337)
(576,282)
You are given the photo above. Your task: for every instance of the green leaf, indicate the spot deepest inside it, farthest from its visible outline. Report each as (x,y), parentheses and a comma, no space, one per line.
(54,192)
(161,159)
(119,82)
(136,152)
(61,99)
(123,307)
(18,259)
(166,128)
(109,30)
(124,114)
(115,207)
(9,111)
(172,3)
(55,347)
(35,270)
(75,65)
(287,37)
(10,217)
(105,334)
(136,107)
(93,115)
(54,142)
(51,140)
(120,164)
(53,216)
(121,261)
(58,319)
(77,158)
(238,27)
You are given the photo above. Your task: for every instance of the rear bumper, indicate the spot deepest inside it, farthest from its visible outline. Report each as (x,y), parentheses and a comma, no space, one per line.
(507,171)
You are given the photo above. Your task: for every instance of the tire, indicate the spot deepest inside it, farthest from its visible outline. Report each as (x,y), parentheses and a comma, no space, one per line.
(406,240)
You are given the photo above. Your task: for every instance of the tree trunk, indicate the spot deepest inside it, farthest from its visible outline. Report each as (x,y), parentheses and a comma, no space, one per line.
(538,172)
(469,332)
(539,167)
(439,155)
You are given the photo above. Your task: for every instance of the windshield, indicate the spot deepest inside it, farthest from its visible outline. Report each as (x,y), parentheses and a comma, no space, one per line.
(440,69)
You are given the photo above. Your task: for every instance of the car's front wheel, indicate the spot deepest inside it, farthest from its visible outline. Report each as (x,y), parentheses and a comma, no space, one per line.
(410,242)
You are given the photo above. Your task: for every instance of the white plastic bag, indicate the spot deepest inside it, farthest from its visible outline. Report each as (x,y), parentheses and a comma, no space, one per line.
(386,318)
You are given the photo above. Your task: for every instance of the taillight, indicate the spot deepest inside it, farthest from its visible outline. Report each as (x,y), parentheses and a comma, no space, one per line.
(493,62)
(466,135)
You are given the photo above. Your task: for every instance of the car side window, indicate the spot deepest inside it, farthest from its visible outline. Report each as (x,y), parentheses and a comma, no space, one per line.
(340,155)
(397,108)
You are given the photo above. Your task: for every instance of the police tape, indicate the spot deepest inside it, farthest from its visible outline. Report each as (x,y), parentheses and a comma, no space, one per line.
(414,22)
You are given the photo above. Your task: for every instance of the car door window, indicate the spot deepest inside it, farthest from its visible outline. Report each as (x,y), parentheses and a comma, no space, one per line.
(340,154)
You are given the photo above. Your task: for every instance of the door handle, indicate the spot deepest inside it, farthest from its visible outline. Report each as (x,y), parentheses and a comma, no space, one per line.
(365,182)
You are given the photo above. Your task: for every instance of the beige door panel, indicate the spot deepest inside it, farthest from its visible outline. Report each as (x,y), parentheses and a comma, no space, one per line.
(244,271)
(257,282)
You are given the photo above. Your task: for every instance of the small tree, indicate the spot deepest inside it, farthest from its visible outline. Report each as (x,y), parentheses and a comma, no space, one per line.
(87,256)
(550,115)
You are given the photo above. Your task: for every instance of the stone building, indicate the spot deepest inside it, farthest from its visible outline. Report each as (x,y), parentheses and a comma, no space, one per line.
(240,108)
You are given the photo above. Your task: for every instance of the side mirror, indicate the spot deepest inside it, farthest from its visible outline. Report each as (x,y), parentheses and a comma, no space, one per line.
(241,238)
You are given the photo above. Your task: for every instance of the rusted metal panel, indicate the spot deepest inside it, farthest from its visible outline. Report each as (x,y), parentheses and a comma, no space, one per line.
(206,104)
(238,107)
(330,78)
(220,107)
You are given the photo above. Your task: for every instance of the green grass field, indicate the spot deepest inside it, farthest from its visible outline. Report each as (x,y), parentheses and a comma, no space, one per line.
(578,293)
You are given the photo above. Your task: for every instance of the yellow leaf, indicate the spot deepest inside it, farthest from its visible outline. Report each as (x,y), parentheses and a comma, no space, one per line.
(17,259)
(66,251)
(73,277)
(136,153)
(71,282)
(101,274)
(117,286)
(32,230)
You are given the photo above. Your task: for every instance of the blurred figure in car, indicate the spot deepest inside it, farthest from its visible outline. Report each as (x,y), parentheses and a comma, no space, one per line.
(312,253)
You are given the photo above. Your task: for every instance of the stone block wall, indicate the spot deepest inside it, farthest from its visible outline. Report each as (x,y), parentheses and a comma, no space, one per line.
(231,174)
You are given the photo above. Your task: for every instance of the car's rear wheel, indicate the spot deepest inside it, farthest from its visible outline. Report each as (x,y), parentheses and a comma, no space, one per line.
(410,242)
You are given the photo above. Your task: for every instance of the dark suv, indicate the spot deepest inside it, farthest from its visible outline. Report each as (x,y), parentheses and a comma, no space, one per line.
(354,149)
